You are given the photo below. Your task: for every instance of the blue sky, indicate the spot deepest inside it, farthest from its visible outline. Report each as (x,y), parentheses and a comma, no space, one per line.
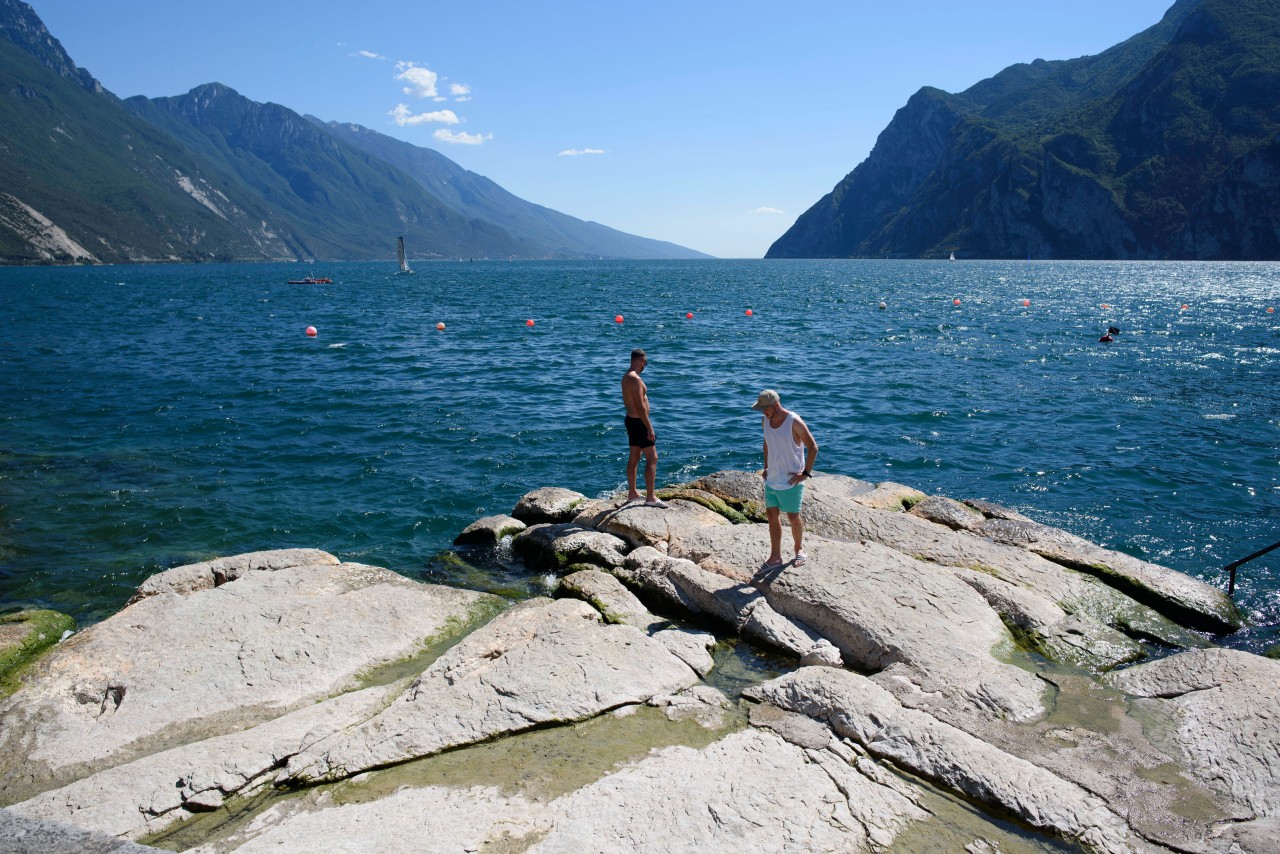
(710,124)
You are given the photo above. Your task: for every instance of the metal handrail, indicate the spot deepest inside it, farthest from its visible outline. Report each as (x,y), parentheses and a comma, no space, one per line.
(1231,567)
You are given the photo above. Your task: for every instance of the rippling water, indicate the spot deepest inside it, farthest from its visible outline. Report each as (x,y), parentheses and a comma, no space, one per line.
(151,416)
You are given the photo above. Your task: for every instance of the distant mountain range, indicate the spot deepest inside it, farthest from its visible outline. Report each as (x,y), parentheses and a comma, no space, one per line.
(1164,146)
(213,176)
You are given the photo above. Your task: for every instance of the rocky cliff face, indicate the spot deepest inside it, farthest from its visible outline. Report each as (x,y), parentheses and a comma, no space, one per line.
(20,25)
(1161,147)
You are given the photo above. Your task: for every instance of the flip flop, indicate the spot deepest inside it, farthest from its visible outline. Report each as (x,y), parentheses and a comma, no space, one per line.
(657,502)
(769,567)
(801,558)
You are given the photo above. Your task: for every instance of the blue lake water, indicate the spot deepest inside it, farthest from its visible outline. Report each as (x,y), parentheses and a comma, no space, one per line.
(152,416)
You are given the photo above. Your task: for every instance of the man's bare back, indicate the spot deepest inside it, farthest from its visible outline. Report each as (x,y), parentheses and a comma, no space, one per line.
(635,395)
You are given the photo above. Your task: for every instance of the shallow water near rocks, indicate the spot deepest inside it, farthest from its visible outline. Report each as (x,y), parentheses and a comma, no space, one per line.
(540,764)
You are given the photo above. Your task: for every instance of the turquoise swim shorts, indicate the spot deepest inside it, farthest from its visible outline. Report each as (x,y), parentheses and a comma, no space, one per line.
(786,500)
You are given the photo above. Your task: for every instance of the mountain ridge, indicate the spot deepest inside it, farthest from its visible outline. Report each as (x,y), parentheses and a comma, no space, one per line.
(1118,155)
(86,177)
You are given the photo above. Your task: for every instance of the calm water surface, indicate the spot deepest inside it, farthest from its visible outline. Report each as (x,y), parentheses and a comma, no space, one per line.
(152,416)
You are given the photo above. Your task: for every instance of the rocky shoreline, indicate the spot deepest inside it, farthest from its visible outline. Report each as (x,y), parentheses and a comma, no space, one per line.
(949,676)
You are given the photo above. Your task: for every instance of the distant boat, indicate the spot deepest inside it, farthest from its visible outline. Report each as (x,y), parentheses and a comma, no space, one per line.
(311,280)
(953,256)
(404,263)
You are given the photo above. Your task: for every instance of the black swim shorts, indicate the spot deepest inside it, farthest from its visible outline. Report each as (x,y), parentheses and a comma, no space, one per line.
(637,433)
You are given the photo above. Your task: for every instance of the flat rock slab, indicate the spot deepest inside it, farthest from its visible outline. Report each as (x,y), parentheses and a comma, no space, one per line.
(639,525)
(542,662)
(22,835)
(548,504)
(933,636)
(1187,600)
(1226,705)
(857,708)
(751,791)
(147,795)
(177,667)
(214,573)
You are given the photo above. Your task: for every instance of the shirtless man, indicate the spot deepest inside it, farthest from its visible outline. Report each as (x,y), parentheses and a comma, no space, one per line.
(787,442)
(640,435)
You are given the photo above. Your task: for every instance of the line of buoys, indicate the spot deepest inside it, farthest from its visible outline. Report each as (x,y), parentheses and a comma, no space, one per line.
(311,332)
(440,326)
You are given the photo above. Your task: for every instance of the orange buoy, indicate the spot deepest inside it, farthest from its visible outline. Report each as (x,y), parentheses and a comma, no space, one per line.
(1185,306)
(1271,311)
(1026,302)
(311,332)
(749,312)
(440,326)
(617,318)
(1104,305)
(955,302)
(688,315)
(528,323)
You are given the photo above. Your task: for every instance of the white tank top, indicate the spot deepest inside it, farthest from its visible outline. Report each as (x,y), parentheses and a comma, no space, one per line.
(786,455)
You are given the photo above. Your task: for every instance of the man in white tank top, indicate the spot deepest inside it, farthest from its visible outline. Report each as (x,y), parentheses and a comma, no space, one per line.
(787,440)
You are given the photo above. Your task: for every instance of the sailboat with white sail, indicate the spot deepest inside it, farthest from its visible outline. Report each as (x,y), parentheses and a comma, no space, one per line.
(404,262)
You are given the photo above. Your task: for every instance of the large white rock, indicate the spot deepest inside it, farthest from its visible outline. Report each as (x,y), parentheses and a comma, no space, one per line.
(857,708)
(1226,708)
(176,667)
(147,795)
(750,791)
(541,662)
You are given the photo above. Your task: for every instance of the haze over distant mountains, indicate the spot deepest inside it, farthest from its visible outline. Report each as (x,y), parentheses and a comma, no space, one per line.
(213,176)
(1164,146)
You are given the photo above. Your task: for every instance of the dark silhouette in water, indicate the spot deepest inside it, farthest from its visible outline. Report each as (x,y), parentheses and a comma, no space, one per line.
(1113,330)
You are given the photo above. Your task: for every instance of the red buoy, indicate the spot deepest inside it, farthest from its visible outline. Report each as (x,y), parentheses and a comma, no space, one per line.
(955,302)
(617,318)
(1026,302)
(311,332)
(748,312)
(688,315)
(440,326)
(528,323)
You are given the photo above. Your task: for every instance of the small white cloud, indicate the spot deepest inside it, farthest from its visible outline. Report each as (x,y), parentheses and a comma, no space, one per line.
(368,54)
(766,210)
(460,91)
(461,138)
(422,81)
(578,152)
(405,117)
